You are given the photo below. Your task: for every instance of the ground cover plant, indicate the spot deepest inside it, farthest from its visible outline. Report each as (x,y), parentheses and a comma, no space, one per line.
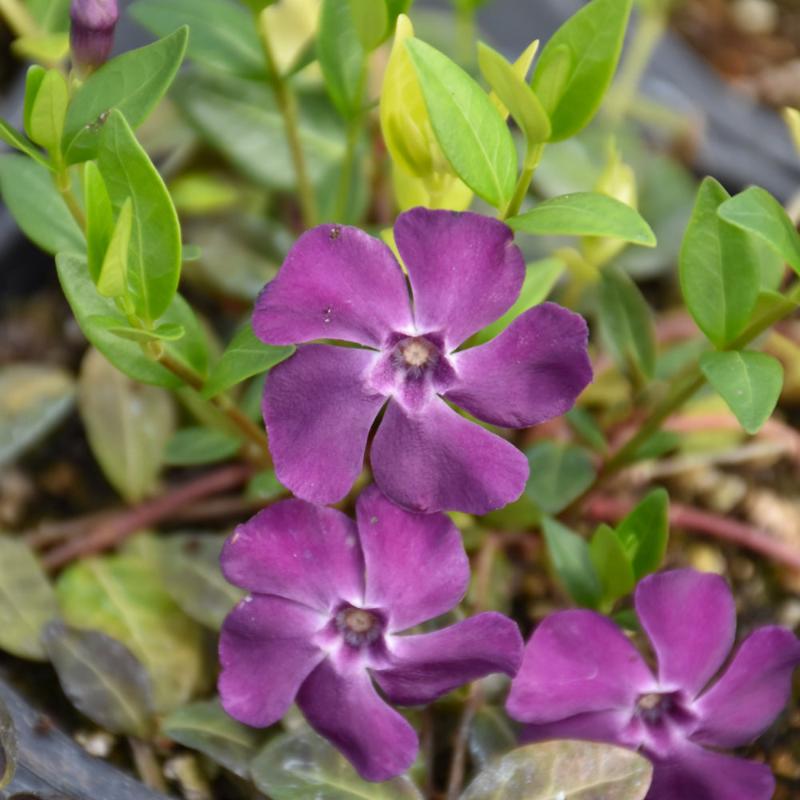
(394,418)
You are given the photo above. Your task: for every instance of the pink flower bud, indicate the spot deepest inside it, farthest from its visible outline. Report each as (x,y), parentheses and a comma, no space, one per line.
(92,31)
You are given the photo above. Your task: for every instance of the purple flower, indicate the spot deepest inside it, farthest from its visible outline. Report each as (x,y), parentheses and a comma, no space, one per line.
(581,678)
(338,283)
(329,597)
(92,31)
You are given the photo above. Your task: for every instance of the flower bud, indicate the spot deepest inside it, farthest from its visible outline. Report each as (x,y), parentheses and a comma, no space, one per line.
(92,31)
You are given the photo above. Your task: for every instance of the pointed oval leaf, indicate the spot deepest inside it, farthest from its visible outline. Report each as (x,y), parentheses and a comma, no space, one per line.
(99,218)
(48,112)
(613,567)
(113,278)
(473,136)
(559,474)
(12,137)
(645,531)
(341,55)
(102,678)
(750,383)
(564,770)
(572,561)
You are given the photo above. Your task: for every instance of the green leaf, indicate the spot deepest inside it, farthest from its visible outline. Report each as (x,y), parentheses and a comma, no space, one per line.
(33,81)
(113,278)
(371,20)
(572,561)
(99,218)
(192,575)
(132,83)
(585,214)
(193,446)
(123,596)
(719,270)
(154,257)
(126,424)
(627,323)
(299,765)
(15,139)
(34,202)
(585,426)
(205,727)
(612,565)
(165,332)
(559,474)
(579,61)
(27,601)
(540,278)
(750,383)
(34,400)
(47,47)
(490,736)
(245,356)
(473,136)
(516,95)
(645,531)
(102,678)
(48,112)
(92,313)
(564,770)
(755,210)
(341,55)
(8,747)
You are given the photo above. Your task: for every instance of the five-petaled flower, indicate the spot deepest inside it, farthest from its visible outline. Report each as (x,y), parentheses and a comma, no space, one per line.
(340,284)
(581,678)
(328,599)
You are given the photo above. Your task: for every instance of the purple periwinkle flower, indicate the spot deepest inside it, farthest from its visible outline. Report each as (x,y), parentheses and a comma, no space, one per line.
(581,678)
(92,31)
(329,597)
(340,284)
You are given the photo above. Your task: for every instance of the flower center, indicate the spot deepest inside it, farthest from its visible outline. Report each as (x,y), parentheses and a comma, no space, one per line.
(358,626)
(416,352)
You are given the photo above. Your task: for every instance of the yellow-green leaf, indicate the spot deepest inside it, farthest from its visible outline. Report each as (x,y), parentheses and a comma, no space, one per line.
(113,280)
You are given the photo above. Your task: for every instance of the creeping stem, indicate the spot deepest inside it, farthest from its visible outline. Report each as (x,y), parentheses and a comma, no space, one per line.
(287,105)
(532,160)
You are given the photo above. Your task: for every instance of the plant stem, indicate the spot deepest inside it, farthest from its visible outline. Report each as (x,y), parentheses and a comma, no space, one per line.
(18,18)
(524,182)
(287,105)
(64,186)
(465,34)
(354,128)
(147,764)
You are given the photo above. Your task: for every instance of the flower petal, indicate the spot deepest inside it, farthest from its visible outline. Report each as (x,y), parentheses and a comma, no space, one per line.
(435,460)
(577,662)
(429,665)
(690,619)
(692,773)
(596,726)
(752,691)
(266,653)
(530,373)
(464,268)
(337,282)
(416,566)
(318,415)
(299,551)
(345,709)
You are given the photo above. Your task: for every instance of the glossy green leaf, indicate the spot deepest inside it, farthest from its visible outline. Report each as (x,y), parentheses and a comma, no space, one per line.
(205,727)
(8,747)
(244,357)
(473,136)
(232,46)
(516,95)
(123,596)
(719,270)
(92,311)
(572,562)
(627,323)
(564,770)
(12,137)
(540,278)
(126,424)
(113,278)
(300,765)
(47,47)
(579,62)
(33,80)
(154,256)
(371,20)
(34,202)
(34,400)
(585,214)
(612,565)
(46,123)
(99,218)
(27,601)
(341,55)
(133,83)
(645,531)
(750,383)
(559,473)
(192,446)
(102,678)
(755,210)
(193,577)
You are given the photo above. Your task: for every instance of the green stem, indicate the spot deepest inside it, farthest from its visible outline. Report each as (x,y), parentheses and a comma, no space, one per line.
(287,105)
(465,34)
(354,127)
(147,764)
(524,182)
(18,18)
(64,185)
